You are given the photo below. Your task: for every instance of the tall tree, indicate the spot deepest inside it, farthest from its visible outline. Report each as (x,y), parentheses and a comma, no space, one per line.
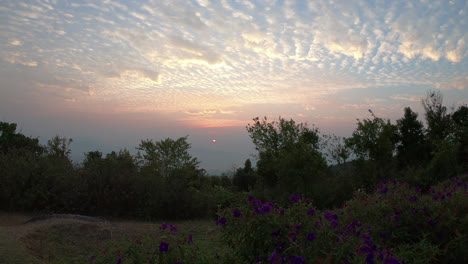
(438,119)
(412,148)
(166,156)
(289,155)
(460,120)
(373,139)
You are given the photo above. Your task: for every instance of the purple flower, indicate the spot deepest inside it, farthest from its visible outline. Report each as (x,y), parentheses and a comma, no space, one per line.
(384,190)
(237,213)
(190,238)
(298,260)
(334,223)
(281,211)
(266,208)
(294,198)
(221,221)
(163,247)
(391,260)
(173,228)
(311,237)
(163,226)
(92,259)
(119,261)
(273,258)
(413,199)
(311,211)
(370,258)
(250,198)
(330,216)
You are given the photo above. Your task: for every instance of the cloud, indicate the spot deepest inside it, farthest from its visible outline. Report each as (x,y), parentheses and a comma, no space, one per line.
(192,51)
(132,74)
(406,97)
(459,83)
(457,54)
(16,42)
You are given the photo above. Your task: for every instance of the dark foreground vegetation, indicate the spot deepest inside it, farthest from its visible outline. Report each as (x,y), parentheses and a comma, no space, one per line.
(356,211)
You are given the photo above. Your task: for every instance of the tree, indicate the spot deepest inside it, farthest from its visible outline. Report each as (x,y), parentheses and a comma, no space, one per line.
(373,139)
(244,177)
(59,147)
(460,120)
(166,156)
(11,140)
(412,148)
(438,120)
(337,150)
(373,142)
(289,156)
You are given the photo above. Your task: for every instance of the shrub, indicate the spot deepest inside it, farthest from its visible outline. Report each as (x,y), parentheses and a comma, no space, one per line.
(392,224)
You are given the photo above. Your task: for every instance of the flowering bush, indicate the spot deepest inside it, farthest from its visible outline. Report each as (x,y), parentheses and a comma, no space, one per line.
(392,224)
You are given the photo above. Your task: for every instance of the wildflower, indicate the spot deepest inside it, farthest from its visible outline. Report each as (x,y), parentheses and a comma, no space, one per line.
(190,238)
(221,221)
(237,213)
(391,261)
(163,247)
(370,258)
(311,237)
(294,198)
(92,259)
(250,198)
(334,223)
(311,211)
(384,190)
(298,260)
(163,226)
(413,199)
(173,228)
(273,258)
(266,208)
(138,241)
(119,261)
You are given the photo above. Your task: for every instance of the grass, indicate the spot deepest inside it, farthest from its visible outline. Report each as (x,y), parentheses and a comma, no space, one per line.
(55,241)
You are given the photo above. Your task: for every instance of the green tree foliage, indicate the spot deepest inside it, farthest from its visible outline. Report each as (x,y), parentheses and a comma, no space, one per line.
(337,150)
(11,140)
(438,120)
(245,178)
(373,139)
(289,157)
(373,143)
(460,120)
(165,157)
(412,149)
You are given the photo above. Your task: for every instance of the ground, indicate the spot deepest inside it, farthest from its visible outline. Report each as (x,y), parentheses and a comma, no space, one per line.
(75,239)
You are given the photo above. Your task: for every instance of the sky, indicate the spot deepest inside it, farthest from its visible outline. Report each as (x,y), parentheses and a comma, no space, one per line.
(111,73)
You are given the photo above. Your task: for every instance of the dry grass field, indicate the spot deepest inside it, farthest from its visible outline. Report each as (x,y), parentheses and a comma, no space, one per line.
(68,240)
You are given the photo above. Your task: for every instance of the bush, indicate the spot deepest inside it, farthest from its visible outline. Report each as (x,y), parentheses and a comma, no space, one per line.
(391,224)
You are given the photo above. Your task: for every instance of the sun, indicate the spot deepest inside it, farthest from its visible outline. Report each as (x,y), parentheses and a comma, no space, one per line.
(214,140)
